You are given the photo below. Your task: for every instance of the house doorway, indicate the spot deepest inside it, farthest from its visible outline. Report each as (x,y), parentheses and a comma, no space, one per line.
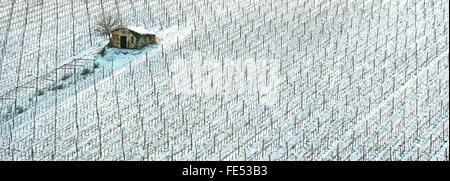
(123,42)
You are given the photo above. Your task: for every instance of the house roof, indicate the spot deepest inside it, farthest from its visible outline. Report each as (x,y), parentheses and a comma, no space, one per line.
(140,30)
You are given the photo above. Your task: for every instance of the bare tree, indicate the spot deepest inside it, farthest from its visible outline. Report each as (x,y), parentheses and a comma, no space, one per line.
(106,25)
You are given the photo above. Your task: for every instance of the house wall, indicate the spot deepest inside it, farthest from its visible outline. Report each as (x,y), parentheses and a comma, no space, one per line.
(115,39)
(138,43)
(145,40)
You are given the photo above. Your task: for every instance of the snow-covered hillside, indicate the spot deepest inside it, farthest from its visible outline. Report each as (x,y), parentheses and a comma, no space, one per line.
(229,80)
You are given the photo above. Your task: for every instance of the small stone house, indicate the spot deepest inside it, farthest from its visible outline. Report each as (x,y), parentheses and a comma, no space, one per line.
(131,38)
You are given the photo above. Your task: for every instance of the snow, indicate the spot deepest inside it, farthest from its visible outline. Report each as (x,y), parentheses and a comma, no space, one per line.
(249,80)
(140,30)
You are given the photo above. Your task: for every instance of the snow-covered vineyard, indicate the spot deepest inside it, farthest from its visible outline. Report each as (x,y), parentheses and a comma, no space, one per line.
(229,80)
